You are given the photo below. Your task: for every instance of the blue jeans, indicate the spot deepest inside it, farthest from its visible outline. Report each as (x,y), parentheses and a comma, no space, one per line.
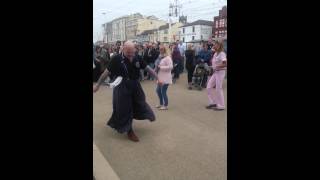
(162,93)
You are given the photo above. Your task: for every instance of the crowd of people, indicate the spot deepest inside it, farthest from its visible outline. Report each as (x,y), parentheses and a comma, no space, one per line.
(155,61)
(183,58)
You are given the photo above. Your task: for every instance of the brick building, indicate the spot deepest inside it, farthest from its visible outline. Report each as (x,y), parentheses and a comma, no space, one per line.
(220,24)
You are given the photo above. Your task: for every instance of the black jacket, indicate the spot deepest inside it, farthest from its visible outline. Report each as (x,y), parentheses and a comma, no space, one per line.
(190,59)
(150,57)
(145,55)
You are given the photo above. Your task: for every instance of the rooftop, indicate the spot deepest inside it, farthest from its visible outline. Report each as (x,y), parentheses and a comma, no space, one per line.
(199,22)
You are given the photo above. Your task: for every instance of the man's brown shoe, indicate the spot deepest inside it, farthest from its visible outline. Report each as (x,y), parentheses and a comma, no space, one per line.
(132,136)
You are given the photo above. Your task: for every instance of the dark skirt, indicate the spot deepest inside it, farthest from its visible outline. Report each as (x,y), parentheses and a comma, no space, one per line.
(129,102)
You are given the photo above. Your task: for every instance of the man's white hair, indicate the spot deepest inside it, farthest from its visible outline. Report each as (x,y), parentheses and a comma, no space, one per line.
(128,44)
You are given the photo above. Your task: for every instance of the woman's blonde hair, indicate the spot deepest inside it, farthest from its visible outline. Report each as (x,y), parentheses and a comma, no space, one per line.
(220,48)
(167,51)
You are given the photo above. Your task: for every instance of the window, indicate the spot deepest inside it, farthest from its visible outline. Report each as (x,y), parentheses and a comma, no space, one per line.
(201,37)
(193,28)
(183,30)
(166,31)
(221,34)
(192,37)
(217,24)
(165,39)
(222,23)
(183,39)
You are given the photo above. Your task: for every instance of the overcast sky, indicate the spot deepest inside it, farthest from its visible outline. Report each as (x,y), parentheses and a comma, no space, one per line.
(194,9)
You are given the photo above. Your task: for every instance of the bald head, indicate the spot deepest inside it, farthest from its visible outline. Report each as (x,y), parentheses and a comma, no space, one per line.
(129,50)
(128,44)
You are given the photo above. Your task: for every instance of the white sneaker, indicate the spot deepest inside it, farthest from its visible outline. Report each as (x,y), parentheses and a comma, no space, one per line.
(164,108)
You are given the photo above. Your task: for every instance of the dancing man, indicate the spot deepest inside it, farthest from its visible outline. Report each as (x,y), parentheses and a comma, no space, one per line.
(129,101)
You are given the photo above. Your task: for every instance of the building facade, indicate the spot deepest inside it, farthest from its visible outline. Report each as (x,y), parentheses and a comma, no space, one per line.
(129,27)
(119,29)
(137,27)
(108,31)
(147,36)
(220,24)
(167,36)
(148,23)
(196,31)
(132,25)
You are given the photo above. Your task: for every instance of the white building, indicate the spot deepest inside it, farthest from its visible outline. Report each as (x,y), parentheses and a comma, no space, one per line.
(115,30)
(119,29)
(196,31)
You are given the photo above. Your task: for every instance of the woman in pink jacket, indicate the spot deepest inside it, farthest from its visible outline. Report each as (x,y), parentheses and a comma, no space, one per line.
(164,77)
(219,64)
